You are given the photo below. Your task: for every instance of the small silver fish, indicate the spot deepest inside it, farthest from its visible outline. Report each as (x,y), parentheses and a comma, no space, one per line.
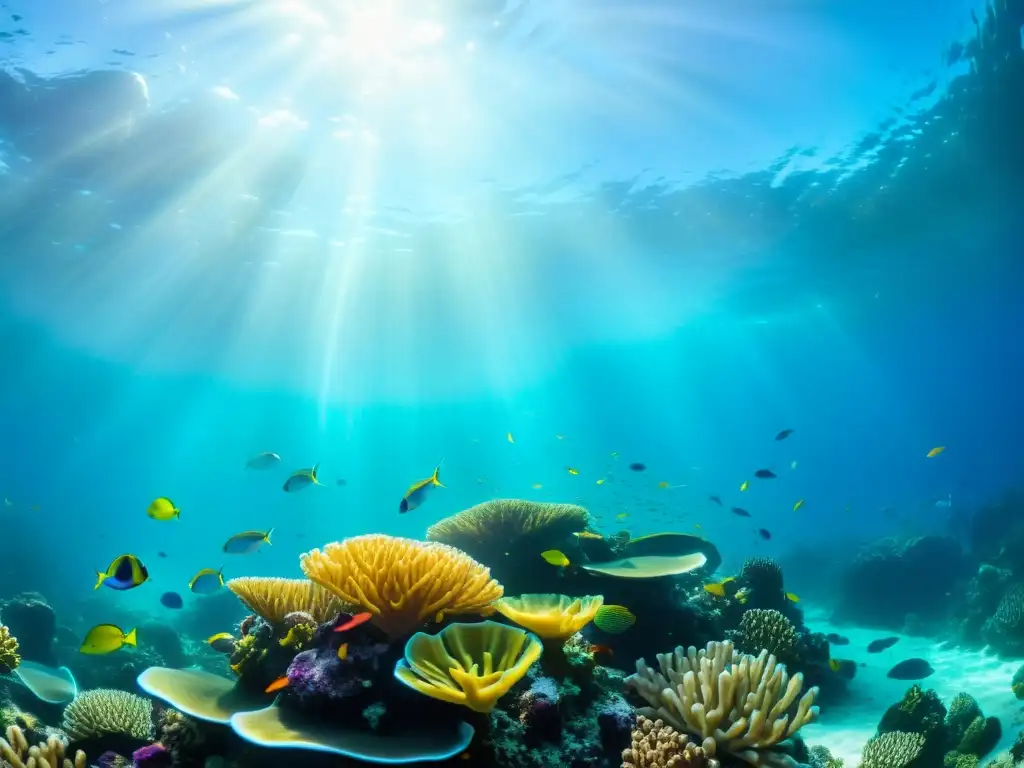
(247,542)
(264,460)
(302,479)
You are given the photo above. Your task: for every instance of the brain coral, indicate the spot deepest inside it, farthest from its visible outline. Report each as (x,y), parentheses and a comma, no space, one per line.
(105,710)
(403,582)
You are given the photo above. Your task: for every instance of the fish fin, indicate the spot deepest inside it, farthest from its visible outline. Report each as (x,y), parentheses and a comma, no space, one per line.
(267,537)
(433,478)
(220,575)
(100,578)
(403,506)
(177,514)
(130,639)
(312,473)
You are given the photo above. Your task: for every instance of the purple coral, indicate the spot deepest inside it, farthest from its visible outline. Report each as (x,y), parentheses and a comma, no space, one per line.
(151,756)
(539,711)
(318,674)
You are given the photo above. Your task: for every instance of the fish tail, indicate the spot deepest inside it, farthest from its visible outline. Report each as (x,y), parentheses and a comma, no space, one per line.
(129,639)
(433,479)
(100,578)
(267,537)
(177,513)
(312,473)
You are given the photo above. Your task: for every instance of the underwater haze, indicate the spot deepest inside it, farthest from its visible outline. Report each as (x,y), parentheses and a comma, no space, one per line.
(745,271)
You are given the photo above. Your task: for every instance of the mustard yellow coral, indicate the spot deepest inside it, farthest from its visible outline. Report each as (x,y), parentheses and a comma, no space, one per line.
(504,520)
(469,664)
(402,582)
(273,599)
(552,617)
(9,658)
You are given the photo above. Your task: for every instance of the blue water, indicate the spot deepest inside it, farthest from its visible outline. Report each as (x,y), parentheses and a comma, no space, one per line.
(639,229)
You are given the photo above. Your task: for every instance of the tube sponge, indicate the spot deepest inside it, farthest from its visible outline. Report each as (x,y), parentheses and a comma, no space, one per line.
(105,710)
(469,664)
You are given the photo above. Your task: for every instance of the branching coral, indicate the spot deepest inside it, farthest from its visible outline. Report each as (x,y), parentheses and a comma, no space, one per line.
(895,749)
(108,711)
(402,582)
(656,745)
(505,520)
(737,704)
(550,617)
(16,753)
(273,599)
(768,630)
(9,658)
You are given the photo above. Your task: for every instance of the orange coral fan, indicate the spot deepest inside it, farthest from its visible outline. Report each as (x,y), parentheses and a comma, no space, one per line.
(273,599)
(402,582)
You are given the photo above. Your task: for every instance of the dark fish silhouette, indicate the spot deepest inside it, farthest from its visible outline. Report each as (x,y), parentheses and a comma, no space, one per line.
(171,600)
(765,534)
(877,646)
(784,434)
(740,512)
(161,553)
(765,474)
(911,669)
(638,466)
(341,481)
(715,499)
(835,639)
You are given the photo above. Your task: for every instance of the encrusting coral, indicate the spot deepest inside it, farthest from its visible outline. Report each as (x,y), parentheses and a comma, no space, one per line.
(768,630)
(656,745)
(401,582)
(550,617)
(505,520)
(108,711)
(16,752)
(469,664)
(895,749)
(9,658)
(272,599)
(738,705)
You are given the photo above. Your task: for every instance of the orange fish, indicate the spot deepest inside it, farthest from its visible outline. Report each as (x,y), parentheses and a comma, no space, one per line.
(355,621)
(595,649)
(277,685)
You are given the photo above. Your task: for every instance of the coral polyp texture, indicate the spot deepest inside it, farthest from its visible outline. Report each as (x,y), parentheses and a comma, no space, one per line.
(469,664)
(551,617)
(735,704)
(104,711)
(9,658)
(505,520)
(403,583)
(768,630)
(656,745)
(895,749)
(273,599)
(15,752)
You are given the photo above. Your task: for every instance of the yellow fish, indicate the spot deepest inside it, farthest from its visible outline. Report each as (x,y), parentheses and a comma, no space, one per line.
(417,492)
(798,505)
(663,484)
(718,590)
(601,481)
(697,526)
(343,651)
(745,485)
(935,451)
(792,598)
(301,479)
(163,509)
(125,572)
(207,581)
(572,471)
(834,665)
(555,557)
(622,515)
(222,642)
(614,619)
(537,486)
(508,436)
(588,535)
(106,638)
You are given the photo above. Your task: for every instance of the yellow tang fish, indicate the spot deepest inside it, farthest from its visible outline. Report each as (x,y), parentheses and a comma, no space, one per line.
(302,479)
(106,638)
(792,598)
(798,505)
(601,481)
(508,436)
(935,451)
(163,509)
(718,590)
(622,515)
(572,471)
(418,491)
(614,619)
(745,485)
(222,642)
(555,557)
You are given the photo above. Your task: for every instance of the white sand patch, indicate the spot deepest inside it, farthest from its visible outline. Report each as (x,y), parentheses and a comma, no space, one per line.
(845,728)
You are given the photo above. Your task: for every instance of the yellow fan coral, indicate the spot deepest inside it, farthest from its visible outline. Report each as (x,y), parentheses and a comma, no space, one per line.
(552,617)
(273,599)
(108,711)
(9,658)
(402,582)
(469,664)
(16,753)
(504,520)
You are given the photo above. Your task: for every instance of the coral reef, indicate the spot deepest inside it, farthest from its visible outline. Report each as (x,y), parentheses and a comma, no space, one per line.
(549,616)
(403,582)
(16,752)
(273,599)
(819,757)
(486,528)
(9,657)
(767,630)
(894,749)
(656,745)
(1004,630)
(738,705)
(980,600)
(319,675)
(108,711)
(165,641)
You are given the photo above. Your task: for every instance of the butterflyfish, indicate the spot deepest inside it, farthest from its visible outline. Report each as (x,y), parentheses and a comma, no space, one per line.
(106,638)
(247,542)
(163,509)
(124,572)
(302,479)
(418,492)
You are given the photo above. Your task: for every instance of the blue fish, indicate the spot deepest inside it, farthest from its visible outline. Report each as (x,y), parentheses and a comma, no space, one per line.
(301,479)
(124,572)
(207,581)
(171,600)
(247,542)
(418,491)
